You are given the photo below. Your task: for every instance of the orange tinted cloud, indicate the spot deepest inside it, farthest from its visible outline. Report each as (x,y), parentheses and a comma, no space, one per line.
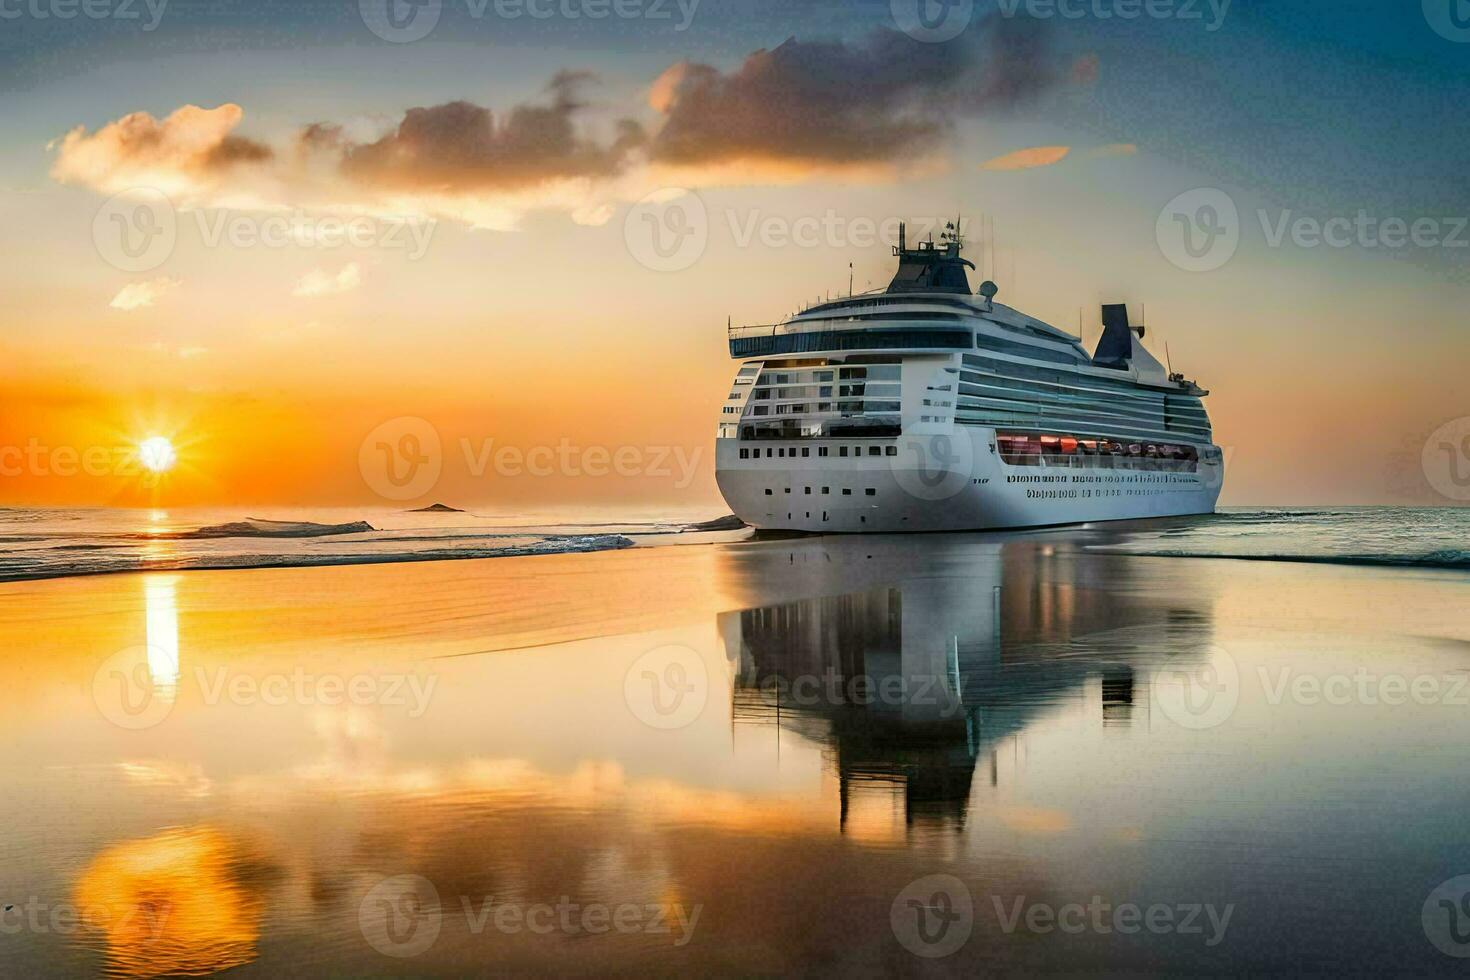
(456,160)
(192,147)
(1034,156)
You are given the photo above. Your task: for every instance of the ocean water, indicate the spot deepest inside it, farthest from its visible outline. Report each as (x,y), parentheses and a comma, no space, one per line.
(49,543)
(1425,537)
(42,543)
(913,755)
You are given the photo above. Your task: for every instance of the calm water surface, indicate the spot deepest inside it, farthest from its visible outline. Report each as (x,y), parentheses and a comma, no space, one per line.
(934,754)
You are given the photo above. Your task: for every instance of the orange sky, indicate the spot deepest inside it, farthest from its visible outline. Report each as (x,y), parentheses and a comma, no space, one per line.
(525,318)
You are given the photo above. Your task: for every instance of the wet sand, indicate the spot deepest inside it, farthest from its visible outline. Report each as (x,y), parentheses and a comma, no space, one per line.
(932,754)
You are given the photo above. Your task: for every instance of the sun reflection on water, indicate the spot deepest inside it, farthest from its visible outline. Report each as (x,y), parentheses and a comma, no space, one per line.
(161,621)
(178,903)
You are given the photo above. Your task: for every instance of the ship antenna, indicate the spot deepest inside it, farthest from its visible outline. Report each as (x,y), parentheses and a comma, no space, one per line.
(849,278)
(1167,359)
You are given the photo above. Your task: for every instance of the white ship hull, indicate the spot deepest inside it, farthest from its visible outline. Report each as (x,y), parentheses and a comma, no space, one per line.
(962,485)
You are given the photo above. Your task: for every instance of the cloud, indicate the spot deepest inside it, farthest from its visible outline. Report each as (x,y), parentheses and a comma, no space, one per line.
(320,283)
(191,148)
(136,295)
(1045,156)
(880,106)
(461,146)
(833,104)
(1027,159)
(457,160)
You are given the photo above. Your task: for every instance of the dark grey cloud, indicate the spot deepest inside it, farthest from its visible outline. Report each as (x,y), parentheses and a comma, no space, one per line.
(886,97)
(460,146)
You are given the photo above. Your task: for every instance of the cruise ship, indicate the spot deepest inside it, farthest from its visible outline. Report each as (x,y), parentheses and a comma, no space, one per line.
(926,407)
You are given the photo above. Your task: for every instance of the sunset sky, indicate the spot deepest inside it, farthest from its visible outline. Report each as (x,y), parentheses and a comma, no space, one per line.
(517,150)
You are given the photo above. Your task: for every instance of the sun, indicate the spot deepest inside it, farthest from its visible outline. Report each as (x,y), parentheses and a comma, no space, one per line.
(157,454)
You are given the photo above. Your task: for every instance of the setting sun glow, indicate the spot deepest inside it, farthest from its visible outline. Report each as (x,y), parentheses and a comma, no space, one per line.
(157,454)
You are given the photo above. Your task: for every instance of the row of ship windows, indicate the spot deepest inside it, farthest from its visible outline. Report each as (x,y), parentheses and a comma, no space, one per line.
(857,389)
(1009,370)
(989,385)
(1085,424)
(805,408)
(871,372)
(846,492)
(806,452)
(988,408)
(1025,392)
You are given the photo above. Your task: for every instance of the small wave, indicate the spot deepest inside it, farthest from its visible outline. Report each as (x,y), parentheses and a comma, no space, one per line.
(1451,559)
(113,563)
(256,528)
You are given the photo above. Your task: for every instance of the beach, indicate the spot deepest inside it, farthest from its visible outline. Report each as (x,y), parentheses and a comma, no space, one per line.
(928,754)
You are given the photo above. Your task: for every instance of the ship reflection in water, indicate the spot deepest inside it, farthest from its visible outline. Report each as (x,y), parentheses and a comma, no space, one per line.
(915,686)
